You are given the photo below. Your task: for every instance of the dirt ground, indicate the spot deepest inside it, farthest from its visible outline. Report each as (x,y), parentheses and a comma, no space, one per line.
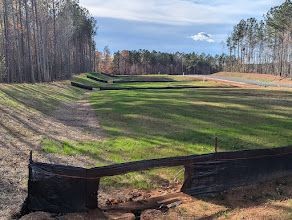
(270,200)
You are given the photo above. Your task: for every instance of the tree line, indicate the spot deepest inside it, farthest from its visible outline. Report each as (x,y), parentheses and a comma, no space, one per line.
(44,40)
(263,46)
(153,62)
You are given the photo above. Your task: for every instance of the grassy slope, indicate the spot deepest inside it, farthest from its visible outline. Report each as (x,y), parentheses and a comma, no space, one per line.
(41,97)
(152,124)
(27,116)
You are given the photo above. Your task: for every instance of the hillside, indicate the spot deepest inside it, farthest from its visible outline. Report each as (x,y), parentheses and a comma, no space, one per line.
(29,115)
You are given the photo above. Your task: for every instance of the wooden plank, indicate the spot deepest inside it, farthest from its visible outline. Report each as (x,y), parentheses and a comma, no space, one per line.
(187,178)
(151,203)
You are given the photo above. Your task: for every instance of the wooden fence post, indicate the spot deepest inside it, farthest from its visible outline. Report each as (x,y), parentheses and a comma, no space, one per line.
(187,179)
(216,144)
(30,156)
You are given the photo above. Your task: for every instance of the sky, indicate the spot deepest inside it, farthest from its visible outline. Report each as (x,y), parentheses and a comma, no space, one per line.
(200,26)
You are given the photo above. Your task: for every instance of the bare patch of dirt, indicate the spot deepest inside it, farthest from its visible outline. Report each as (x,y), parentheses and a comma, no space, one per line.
(91,215)
(270,200)
(267,211)
(79,115)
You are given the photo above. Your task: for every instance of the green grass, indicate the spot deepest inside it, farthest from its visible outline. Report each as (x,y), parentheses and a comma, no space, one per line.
(177,81)
(166,84)
(188,120)
(84,80)
(44,97)
(154,124)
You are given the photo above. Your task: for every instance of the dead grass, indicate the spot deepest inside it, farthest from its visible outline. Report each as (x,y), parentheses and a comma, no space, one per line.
(270,200)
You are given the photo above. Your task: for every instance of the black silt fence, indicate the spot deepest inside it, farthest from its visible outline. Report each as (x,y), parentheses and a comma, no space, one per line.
(60,189)
(65,189)
(82,86)
(96,79)
(223,171)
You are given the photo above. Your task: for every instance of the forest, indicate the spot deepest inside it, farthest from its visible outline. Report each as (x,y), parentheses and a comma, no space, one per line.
(259,46)
(44,40)
(263,46)
(154,62)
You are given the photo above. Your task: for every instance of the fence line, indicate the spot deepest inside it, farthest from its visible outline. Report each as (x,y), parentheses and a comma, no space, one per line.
(58,188)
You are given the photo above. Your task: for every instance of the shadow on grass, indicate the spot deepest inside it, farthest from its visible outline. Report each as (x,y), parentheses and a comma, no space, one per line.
(242,119)
(147,124)
(42,97)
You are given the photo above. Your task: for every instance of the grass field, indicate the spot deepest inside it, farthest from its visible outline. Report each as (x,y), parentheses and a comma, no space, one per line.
(153,124)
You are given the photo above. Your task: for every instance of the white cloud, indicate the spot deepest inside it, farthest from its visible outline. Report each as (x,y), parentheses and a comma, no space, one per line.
(202,36)
(179,12)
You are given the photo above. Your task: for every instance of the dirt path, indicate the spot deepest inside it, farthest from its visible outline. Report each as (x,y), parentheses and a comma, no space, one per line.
(241,82)
(81,116)
(22,128)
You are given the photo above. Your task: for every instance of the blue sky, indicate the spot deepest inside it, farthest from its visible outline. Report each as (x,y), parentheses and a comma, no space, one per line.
(171,25)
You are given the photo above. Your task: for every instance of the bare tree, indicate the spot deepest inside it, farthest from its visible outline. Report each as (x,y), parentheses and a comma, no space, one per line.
(44,40)
(263,46)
